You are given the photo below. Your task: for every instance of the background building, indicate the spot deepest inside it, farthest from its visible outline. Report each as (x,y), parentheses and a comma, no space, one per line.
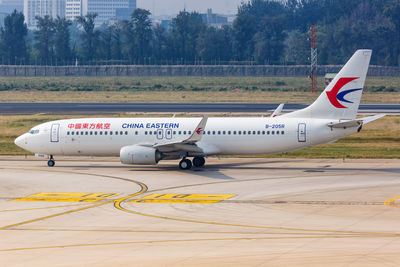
(107,10)
(73,9)
(41,8)
(214,19)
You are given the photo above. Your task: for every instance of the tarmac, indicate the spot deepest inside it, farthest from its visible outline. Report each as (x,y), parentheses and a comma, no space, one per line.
(233,212)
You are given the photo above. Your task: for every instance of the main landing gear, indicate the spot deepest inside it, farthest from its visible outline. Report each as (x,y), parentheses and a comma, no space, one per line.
(51,161)
(186,164)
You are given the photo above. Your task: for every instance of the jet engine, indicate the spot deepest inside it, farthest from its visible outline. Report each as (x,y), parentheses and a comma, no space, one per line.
(140,155)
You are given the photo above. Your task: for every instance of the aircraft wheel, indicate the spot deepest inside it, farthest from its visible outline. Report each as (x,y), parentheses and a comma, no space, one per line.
(199,161)
(185,164)
(51,163)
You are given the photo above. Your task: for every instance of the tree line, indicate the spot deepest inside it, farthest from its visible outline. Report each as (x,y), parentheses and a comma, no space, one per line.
(264,32)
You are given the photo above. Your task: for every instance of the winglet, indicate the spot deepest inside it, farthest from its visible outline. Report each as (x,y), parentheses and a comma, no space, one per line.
(198,132)
(278,110)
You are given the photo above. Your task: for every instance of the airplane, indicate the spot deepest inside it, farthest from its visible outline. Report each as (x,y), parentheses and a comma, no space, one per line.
(146,141)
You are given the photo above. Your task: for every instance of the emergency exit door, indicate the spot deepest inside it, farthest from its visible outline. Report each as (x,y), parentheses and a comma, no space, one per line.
(55,133)
(301,132)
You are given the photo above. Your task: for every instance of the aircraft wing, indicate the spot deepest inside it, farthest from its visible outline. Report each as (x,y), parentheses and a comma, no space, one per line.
(185,145)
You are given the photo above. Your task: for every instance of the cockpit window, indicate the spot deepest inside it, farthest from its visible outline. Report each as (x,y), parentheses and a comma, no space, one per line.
(34,131)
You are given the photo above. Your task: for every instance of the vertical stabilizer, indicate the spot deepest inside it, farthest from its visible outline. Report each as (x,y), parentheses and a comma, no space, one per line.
(341,98)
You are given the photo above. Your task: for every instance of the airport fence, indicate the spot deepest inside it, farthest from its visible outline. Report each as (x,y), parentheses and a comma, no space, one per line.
(183,70)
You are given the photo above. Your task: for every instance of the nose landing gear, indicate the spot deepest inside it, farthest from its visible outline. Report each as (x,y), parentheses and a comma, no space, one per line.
(51,161)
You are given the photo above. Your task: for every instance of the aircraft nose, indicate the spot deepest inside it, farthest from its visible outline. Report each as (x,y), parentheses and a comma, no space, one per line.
(21,141)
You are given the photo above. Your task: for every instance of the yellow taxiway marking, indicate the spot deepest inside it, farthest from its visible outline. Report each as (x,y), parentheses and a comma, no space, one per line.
(143,189)
(193,201)
(45,208)
(190,240)
(78,195)
(118,205)
(389,202)
(182,198)
(53,199)
(186,196)
(67,197)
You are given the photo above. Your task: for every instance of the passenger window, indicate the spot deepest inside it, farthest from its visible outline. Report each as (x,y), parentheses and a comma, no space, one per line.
(67,133)
(174,132)
(282,132)
(277,132)
(263,132)
(244,132)
(155,132)
(105,133)
(258,132)
(184,132)
(145,133)
(86,133)
(111,132)
(267,132)
(254,132)
(72,133)
(116,132)
(190,132)
(234,132)
(150,132)
(272,132)
(121,133)
(219,132)
(239,132)
(223,132)
(126,132)
(136,133)
(180,132)
(213,132)
(209,132)
(229,132)
(95,133)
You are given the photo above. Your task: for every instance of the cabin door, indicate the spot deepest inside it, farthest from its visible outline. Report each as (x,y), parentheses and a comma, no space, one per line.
(301,132)
(55,133)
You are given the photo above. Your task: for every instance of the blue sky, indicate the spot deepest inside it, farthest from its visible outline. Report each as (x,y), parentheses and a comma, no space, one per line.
(172,7)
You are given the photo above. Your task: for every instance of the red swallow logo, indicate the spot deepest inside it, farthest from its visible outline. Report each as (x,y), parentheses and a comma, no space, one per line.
(332,94)
(198,131)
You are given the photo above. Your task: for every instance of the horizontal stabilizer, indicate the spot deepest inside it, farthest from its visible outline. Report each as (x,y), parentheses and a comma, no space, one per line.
(354,123)
(346,124)
(372,118)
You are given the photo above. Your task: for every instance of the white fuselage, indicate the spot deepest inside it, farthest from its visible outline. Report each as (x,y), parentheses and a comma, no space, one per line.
(239,136)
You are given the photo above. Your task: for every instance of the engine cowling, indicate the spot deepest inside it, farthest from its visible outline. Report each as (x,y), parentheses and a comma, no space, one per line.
(140,155)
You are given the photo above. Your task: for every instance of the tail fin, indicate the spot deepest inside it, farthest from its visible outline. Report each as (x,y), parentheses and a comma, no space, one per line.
(341,98)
